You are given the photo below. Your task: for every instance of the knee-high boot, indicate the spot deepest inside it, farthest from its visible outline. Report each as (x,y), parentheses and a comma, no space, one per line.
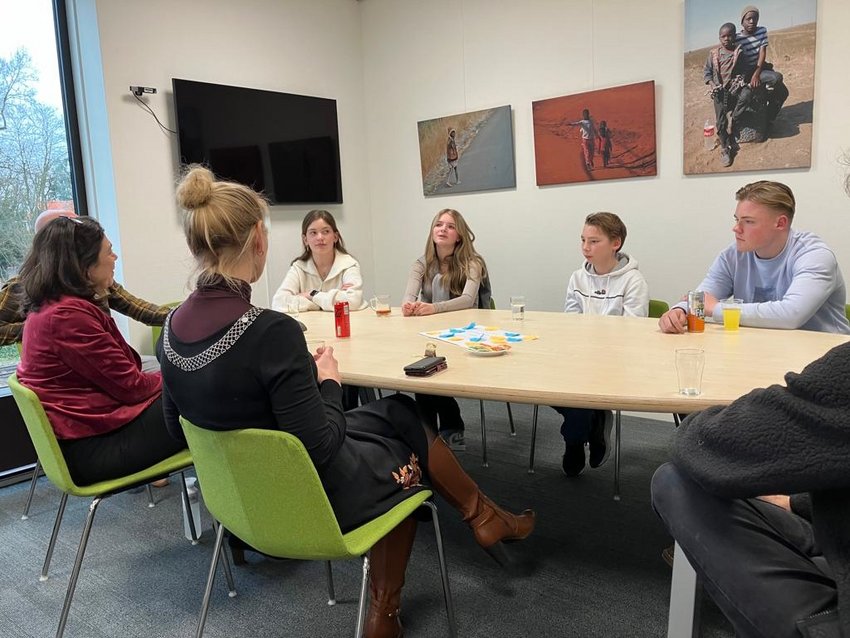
(491,525)
(388,559)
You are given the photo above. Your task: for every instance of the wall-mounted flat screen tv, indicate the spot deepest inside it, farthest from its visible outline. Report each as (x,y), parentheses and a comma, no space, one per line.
(285,145)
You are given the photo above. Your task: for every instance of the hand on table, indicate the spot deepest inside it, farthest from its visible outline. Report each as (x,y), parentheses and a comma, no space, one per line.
(408,308)
(674,321)
(423,309)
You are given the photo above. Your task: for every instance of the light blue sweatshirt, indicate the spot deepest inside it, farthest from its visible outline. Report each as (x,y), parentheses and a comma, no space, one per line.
(801,287)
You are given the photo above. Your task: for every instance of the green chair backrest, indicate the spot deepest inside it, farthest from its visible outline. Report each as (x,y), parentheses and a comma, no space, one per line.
(157,330)
(263,487)
(492,303)
(847,311)
(657,308)
(42,435)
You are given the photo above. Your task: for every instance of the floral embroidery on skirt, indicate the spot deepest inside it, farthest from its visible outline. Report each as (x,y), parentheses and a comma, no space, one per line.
(409,475)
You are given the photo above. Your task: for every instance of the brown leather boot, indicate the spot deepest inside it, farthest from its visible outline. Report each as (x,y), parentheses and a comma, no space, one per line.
(491,525)
(388,559)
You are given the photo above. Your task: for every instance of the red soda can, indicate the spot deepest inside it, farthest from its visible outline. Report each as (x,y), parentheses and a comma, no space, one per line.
(342,319)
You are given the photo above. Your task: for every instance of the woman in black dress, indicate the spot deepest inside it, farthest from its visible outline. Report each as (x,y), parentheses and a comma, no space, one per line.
(227,364)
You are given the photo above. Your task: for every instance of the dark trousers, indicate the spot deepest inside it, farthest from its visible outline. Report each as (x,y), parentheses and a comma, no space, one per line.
(727,105)
(577,424)
(446,408)
(143,442)
(758,562)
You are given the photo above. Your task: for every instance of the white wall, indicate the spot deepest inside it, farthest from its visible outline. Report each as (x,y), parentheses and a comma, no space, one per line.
(391,63)
(430,59)
(309,47)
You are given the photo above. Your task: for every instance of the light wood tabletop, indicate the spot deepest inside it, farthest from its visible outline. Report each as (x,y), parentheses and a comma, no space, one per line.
(585,361)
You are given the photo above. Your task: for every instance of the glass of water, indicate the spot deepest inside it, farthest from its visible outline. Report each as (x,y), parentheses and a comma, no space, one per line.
(517,307)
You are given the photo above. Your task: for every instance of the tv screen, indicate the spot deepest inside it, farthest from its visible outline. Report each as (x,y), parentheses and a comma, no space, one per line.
(284,145)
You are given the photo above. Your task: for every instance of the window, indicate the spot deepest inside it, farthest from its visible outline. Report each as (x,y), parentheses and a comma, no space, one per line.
(39,142)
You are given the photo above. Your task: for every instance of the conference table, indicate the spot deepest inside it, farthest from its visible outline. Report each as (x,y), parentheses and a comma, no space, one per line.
(585,361)
(612,363)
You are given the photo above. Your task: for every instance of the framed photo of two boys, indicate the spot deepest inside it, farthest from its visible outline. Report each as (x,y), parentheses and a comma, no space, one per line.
(749,74)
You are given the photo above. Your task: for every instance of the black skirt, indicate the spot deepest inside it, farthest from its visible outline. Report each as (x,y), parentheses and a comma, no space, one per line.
(382,461)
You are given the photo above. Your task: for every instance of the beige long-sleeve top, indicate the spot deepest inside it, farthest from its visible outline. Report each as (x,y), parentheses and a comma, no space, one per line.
(430,290)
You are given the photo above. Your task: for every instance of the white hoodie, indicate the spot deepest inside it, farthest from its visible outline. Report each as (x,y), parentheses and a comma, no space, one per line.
(623,291)
(303,277)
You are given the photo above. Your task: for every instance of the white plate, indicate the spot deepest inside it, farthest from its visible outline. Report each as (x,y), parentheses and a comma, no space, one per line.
(487,353)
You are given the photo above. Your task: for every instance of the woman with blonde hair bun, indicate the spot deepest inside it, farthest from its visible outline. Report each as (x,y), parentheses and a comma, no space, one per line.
(220,372)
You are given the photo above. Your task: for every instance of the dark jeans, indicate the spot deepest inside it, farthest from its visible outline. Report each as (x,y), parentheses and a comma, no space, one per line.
(758,562)
(446,408)
(143,442)
(577,424)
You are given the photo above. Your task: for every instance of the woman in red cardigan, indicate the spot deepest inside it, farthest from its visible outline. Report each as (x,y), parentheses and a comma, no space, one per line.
(106,412)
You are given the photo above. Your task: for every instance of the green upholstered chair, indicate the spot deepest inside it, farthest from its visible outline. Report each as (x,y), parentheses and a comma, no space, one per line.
(53,462)
(262,486)
(657,308)
(36,470)
(847,311)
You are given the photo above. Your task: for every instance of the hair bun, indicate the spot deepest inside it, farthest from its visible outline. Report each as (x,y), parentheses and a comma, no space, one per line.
(196,187)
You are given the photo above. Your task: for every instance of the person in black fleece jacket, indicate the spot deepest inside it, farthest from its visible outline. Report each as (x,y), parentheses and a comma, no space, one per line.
(775,565)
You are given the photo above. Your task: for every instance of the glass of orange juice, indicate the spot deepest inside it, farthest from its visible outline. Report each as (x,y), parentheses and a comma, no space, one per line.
(732,314)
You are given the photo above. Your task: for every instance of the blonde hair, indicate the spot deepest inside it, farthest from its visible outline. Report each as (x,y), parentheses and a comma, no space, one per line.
(221,219)
(460,261)
(774,195)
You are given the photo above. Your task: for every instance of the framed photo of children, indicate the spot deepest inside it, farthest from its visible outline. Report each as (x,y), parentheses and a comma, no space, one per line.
(749,76)
(604,134)
(467,152)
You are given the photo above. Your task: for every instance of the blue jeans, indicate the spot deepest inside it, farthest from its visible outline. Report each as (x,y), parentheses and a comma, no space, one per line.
(577,424)
(759,562)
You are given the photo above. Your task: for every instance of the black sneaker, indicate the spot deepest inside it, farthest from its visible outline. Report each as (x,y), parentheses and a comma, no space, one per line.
(600,438)
(573,461)
(454,439)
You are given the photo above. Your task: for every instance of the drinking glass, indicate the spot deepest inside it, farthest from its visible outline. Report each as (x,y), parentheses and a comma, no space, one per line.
(517,307)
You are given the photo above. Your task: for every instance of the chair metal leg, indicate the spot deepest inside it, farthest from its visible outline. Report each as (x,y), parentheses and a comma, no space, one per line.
(361,607)
(380,394)
(676,419)
(683,619)
(78,563)
(151,502)
(56,524)
(483,436)
(331,592)
(187,507)
(617,456)
(533,438)
(228,575)
(205,605)
(511,419)
(35,474)
(444,572)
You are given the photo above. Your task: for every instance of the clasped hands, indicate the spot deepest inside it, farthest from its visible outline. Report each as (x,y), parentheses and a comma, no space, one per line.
(417,309)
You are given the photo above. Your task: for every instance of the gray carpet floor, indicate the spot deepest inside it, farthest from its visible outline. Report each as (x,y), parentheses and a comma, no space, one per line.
(597,565)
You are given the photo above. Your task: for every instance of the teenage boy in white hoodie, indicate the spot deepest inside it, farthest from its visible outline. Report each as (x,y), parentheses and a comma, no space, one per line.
(609,283)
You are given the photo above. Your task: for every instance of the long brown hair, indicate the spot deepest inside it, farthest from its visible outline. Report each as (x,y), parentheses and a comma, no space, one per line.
(460,261)
(58,262)
(309,218)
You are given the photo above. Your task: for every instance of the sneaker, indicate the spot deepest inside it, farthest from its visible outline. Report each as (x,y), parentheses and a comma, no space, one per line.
(454,439)
(573,461)
(725,157)
(600,438)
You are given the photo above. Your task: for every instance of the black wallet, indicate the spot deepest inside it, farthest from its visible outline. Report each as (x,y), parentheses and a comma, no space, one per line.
(425,367)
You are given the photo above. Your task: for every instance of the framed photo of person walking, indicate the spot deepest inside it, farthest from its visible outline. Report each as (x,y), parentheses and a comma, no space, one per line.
(467,152)
(749,74)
